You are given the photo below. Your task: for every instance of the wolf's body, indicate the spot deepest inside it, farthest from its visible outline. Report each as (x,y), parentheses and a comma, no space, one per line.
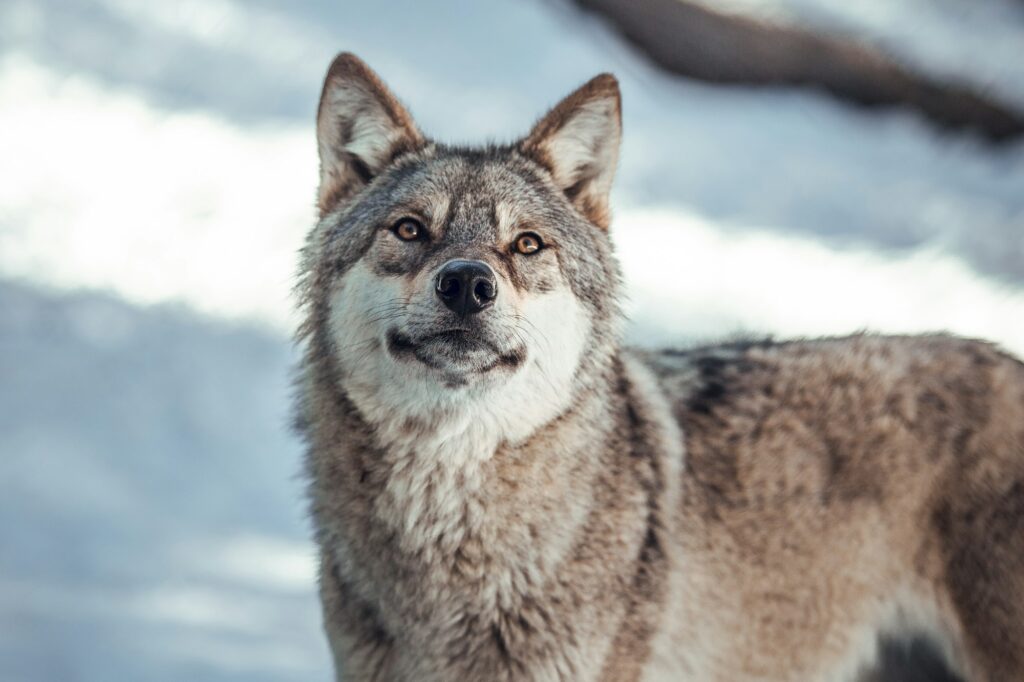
(503,492)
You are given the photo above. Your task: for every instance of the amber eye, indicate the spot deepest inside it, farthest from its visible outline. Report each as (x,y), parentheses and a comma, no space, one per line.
(408,229)
(528,243)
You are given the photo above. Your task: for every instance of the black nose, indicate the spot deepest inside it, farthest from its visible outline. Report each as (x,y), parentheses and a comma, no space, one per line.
(467,286)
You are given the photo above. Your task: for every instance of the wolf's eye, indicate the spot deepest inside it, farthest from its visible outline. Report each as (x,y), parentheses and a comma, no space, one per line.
(408,229)
(528,243)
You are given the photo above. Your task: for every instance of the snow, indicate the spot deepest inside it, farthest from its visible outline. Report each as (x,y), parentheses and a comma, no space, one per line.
(157,171)
(152,516)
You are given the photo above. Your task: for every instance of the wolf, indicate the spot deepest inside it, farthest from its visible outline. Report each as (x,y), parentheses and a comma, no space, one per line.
(502,490)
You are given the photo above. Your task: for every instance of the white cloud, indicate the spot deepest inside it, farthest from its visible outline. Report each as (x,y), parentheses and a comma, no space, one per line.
(272,563)
(691,278)
(99,190)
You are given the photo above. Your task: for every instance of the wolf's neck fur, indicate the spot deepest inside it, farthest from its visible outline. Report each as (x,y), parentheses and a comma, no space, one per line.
(433,490)
(439,484)
(454,530)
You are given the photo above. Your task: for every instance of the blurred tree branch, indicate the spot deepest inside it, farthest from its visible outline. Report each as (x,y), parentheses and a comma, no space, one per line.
(690,40)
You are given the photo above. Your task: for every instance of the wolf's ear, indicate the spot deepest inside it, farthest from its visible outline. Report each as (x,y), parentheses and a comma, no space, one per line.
(360,128)
(578,142)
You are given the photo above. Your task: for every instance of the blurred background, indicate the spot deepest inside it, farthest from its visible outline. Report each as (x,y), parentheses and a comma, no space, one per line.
(790,167)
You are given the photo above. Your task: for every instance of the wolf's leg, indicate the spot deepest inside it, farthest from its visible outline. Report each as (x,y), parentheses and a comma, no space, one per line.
(912,660)
(985,569)
(361,651)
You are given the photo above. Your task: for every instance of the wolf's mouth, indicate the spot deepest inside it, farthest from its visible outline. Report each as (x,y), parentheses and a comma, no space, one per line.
(453,349)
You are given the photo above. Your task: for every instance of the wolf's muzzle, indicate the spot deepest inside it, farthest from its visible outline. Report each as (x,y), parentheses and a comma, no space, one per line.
(466,286)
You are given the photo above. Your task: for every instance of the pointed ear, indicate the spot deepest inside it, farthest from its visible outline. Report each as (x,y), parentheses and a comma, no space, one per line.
(578,142)
(360,128)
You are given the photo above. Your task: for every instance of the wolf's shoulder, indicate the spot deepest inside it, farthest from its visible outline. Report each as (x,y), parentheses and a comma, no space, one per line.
(858,406)
(822,424)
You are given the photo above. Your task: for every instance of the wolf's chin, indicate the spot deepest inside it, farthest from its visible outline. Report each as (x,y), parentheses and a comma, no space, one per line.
(454,353)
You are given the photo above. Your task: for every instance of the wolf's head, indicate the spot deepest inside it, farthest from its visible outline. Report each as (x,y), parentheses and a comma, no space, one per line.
(450,286)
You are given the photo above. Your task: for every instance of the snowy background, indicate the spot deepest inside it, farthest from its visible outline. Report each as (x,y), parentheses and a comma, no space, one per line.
(157,174)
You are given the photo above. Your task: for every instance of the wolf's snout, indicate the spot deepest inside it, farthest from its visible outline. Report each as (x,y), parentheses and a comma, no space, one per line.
(466,286)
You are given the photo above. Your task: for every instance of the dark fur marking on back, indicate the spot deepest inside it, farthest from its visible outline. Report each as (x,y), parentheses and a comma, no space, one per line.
(718,377)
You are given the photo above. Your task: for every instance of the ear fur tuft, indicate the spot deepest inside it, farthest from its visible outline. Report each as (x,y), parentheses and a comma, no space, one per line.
(578,142)
(361,128)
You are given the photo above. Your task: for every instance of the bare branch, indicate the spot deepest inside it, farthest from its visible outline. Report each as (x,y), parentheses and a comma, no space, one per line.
(691,40)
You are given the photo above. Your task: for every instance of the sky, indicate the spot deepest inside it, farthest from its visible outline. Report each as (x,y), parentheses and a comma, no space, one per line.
(157,175)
